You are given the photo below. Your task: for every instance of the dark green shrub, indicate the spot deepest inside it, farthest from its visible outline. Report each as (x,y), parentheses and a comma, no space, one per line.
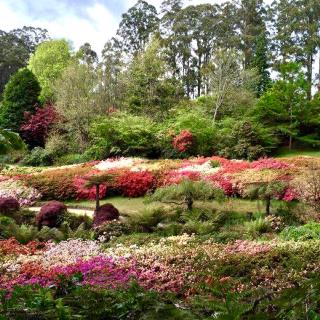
(38,157)
(20,95)
(110,230)
(244,139)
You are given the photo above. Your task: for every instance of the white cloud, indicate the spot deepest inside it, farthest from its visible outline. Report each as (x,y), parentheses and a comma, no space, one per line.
(96,28)
(95,25)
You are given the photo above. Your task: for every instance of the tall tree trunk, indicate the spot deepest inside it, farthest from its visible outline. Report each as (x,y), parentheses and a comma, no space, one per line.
(189,203)
(268,205)
(309,75)
(97,196)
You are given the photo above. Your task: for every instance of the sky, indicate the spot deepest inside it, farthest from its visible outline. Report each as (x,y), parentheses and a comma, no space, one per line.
(93,21)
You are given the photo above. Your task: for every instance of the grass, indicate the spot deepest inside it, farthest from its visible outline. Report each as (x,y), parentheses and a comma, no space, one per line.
(132,205)
(286,153)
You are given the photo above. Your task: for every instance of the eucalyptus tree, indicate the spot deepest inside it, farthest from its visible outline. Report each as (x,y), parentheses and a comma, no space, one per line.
(137,26)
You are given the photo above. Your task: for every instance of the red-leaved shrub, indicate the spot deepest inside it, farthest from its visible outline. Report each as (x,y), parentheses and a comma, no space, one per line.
(36,127)
(9,205)
(183,141)
(57,184)
(136,184)
(51,214)
(105,213)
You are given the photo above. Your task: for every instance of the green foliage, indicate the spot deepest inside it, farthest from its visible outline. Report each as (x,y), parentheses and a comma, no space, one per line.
(244,139)
(302,233)
(10,141)
(282,107)
(197,122)
(146,220)
(83,303)
(186,193)
(38,157)
(47,63)
(20,95)
(149,90)
(123,134)
(257,227)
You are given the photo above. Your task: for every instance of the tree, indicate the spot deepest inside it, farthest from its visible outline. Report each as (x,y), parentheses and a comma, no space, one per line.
(48,63)
(185,193)
(150,89)
(297,33)
(85,54)
(228,81)
(20,95)
(96,180)
(10,141)
(137,26)
(266,192)
(282,107)
(78,101)
(111,71)
(15,49)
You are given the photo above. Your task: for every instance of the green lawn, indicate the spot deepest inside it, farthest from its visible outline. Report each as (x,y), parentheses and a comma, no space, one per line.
(132,205)
(285,153)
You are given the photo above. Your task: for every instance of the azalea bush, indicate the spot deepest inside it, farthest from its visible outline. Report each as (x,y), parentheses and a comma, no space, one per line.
(136,184)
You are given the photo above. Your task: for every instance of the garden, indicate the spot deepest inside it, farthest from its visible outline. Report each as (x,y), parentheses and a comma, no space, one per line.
(211,237)
(174,174)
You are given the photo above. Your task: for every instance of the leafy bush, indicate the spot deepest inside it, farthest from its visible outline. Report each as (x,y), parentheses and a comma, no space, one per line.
(83,302)
(185,193)
(110,230)
(243,139)
(9,205)
(51,214)
(123,135)
(38,157)
(183,142)
(257,227)
(135,184)
(36,127)
(196,122)
(20,95)
(57,184)
(302,233)
(105,213)
(146,220)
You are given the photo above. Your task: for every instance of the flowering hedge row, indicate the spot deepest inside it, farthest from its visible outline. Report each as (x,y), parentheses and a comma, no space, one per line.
(135,177)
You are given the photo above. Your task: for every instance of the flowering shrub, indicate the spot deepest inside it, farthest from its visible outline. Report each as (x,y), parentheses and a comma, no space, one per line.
(289,195)
(183,141)
(57,183)
(247,247)
(14,188)
(269,163)
(115,163)
(36,127)
(222,182)
(175,177)
(12,246)
(136,184)
(88,193)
